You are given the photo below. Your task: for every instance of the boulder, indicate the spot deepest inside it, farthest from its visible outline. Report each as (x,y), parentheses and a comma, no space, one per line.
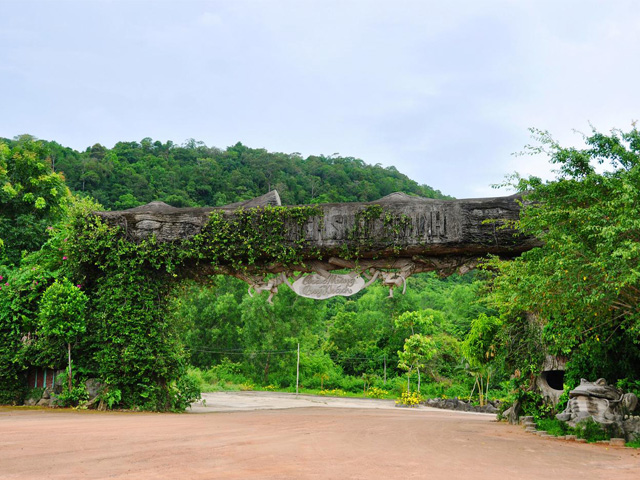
(490,408)
(94,387)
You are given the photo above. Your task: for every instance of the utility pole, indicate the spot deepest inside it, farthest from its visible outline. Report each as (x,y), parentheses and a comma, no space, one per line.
(298,370)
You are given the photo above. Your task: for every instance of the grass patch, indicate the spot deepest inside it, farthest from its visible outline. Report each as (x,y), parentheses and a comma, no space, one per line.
(587,429)
(554,427)
(635,443)
(338,392)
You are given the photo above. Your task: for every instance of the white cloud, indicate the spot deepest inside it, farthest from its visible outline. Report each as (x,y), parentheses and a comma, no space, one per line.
(445,91)
(209,19)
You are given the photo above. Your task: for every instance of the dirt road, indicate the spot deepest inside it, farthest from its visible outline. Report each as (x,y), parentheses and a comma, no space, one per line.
(376,441)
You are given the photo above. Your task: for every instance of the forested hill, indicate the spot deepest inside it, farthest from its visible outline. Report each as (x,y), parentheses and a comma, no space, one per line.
(192,174)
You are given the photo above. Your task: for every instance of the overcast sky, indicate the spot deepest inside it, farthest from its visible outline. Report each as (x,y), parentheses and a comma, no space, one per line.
(443,90)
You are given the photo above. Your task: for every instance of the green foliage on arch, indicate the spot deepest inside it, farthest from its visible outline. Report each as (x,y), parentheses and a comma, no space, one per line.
(137,346)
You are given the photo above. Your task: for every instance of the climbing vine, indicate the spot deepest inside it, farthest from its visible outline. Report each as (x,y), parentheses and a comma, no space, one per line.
(246,237)
(135,349)
(374,222)
(130,344)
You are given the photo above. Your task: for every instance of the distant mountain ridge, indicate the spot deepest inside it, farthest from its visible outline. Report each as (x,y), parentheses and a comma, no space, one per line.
(193,174)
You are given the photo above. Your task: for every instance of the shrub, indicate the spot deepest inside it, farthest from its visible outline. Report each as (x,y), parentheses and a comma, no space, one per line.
(397,385)
(590,431)
(336,392)
(375,392)
(410,399)
(74,397)
(533,405)
(35,393)
(186,390)
(351,384)
(110,396)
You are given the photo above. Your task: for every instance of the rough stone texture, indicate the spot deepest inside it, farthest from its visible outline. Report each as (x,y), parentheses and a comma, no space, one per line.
(169,223)
(461,405)
(552,363)
(605,404)
(441,235)
(631,428)
(512,414)
(94,387)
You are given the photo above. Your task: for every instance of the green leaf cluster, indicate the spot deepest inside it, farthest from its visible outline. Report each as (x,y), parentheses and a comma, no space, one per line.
(61,311)
(246,237)
(583,284)
(32,197)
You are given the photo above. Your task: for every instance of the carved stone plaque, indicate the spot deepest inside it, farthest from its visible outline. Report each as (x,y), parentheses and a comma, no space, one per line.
(319,287)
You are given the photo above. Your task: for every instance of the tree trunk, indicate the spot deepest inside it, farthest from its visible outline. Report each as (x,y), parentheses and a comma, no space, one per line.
(70,376)
(475,384)
(486,395)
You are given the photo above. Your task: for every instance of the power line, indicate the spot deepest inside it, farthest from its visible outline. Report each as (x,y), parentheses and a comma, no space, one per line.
(237,351)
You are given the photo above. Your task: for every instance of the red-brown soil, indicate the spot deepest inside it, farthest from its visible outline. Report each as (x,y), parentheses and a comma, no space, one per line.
(302,443)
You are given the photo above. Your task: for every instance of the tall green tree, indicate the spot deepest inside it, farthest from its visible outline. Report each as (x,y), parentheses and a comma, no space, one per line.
(32,197)
(62,315)
(416,352)
(583,282)
(479,349)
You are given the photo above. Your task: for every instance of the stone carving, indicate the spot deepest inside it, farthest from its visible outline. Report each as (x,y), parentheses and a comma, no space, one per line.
(398,278)
(320,287)
(550,382)
(603,403)
(261,284)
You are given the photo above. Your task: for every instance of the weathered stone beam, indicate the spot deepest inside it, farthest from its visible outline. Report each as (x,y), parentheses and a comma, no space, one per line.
(425,227)
(169,223)
(432,234)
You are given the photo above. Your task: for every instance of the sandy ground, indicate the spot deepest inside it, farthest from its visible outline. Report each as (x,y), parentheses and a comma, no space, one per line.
(277,436)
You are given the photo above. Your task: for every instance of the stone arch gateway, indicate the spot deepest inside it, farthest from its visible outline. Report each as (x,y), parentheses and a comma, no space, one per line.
(386,240)
(128,262)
